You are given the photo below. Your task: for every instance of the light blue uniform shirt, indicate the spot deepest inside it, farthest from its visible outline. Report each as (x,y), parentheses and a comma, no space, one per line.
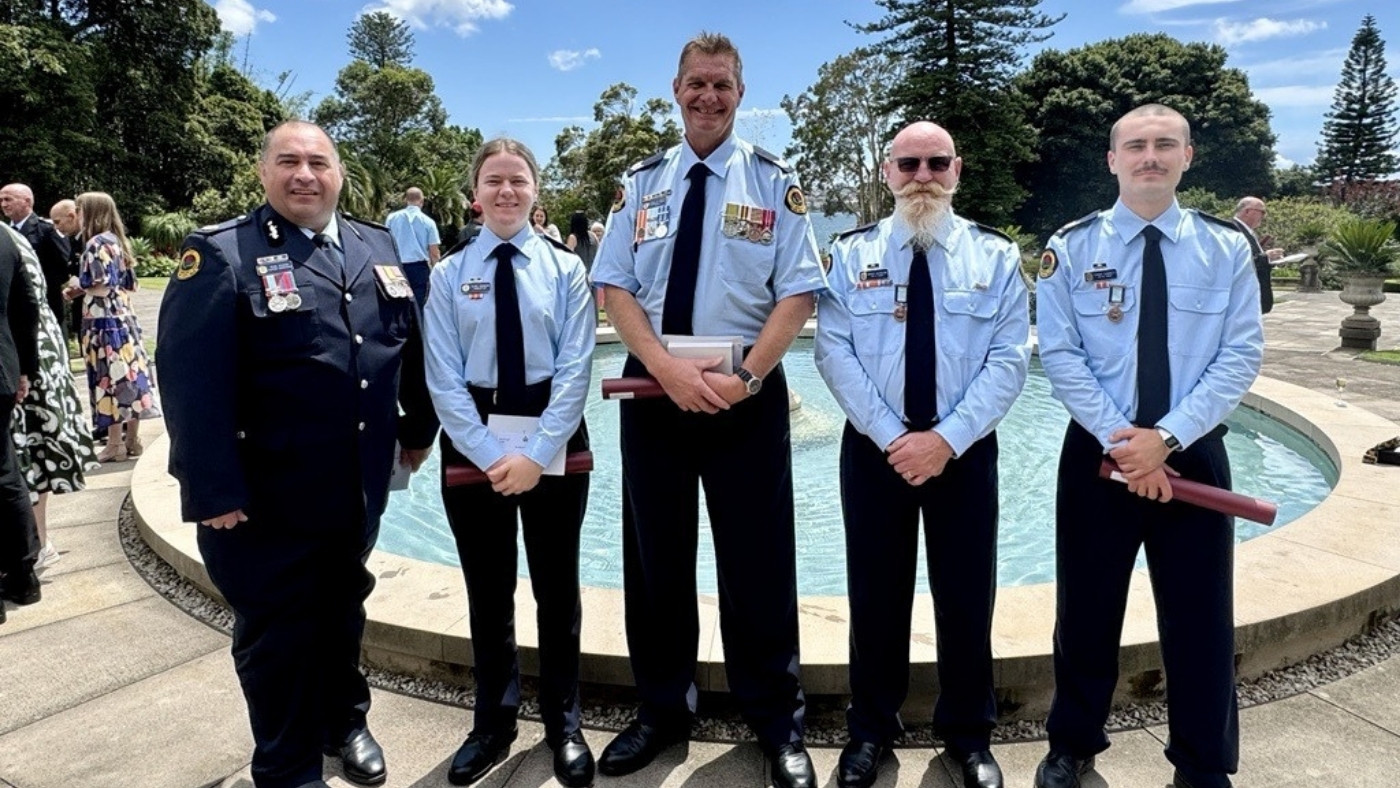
(1215,340)
(558,319)
(739,279)
(981,323)
(413,231)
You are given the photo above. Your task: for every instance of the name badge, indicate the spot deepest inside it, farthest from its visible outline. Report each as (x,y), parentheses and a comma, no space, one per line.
(873,277)
(475,289)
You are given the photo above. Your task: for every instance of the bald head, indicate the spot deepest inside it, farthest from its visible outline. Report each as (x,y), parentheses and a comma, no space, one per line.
(414,196)
(17,201)
(922,134)
(1250,211)
(65,217)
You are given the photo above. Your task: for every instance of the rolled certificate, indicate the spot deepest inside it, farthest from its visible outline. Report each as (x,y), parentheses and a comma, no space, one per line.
(457,475)
(632,388)
(1207,496)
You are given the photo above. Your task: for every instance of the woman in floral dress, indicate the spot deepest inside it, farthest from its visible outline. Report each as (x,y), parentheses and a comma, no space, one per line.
(52,443)
(119,373)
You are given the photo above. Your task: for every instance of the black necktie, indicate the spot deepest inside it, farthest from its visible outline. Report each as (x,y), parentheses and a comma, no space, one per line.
(510,337)
(327,245)
(1154,377)
(685,257)
(920,348)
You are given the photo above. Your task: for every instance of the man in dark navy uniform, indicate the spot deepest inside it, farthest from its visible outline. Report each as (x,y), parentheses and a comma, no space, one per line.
(288,339)
(19,362)
(51,246)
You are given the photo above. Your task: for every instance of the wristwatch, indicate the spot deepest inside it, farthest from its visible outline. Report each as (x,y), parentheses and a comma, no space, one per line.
(751,382)
(1169,439)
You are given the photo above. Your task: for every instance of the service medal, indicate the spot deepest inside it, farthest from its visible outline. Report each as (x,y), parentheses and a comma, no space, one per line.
(1115,314)
(293,301)
(277,303)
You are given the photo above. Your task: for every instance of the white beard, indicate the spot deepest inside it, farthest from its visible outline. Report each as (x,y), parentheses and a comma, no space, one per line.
(923,208)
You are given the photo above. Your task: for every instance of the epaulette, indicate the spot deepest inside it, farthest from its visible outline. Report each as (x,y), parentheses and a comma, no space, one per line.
(213,229)
(365,222)
(556,243)
(647,163)
(994,231)
(43,220)
(1210,217)
(462,244)
(1082,221)
(855,230)
(772,158)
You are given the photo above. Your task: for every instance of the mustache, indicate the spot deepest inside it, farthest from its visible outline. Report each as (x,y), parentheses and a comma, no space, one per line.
(1151,168)
(931,188)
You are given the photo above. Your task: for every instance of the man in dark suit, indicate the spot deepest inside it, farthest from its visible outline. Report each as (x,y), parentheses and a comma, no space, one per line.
(288,340)
(17,201)
(64,214)
(19,363)
(1249,214)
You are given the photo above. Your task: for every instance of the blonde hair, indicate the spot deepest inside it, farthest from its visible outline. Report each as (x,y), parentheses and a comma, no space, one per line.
(99,212)
(505,145)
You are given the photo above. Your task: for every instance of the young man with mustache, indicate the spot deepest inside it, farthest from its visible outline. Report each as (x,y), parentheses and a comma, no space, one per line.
(923,338)
(1149,332)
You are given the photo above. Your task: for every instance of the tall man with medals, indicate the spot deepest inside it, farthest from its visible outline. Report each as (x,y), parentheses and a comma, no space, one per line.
(288,342)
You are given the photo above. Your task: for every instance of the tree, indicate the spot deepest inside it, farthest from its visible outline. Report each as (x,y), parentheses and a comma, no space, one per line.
(959,58)
(1360,131)
(587,167)
(840,129)
(1074,98)
(381,40)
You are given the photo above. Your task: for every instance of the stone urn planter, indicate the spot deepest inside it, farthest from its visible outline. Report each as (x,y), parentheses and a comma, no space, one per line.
(1364,251)
(1361,291)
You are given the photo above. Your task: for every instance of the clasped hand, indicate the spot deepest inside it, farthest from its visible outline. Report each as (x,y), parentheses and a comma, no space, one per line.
(514,474)
(919,456)
(694,388)
(1141,455)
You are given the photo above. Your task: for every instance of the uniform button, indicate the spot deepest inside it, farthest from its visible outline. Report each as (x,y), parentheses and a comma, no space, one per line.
(349,298)
(364,384)
(359,340)
(362,426)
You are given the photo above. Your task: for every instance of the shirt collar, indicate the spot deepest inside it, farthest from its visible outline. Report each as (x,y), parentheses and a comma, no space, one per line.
(489,241)
(332,229)
(1128,224)
(21,222)
(717,161)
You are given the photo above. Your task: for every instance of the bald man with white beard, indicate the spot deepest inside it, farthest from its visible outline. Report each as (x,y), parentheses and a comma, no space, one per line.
(923,337)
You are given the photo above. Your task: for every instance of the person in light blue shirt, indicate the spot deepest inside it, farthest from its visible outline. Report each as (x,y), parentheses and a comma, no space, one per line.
(1148,317)
(416,236)
(710,237)
(510,330)
(922,444)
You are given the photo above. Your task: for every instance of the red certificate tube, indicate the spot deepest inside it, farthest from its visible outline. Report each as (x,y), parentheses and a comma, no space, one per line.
(1208,497)
(632,388)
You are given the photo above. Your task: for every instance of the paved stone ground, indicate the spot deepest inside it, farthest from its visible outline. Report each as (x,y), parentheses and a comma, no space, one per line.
(104,684)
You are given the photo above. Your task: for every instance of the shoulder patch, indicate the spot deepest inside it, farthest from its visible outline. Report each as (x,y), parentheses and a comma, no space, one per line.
(211,229)
(1213,219)
(1049,263)
(989,230)
(772,158)
(647,163)
(855,230)
(619,199)
(794,200)
(190,260)
(1082,221)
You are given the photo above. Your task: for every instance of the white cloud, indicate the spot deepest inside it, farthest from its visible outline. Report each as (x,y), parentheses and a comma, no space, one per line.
(460,15)
(1296,96)
(1153,6)
(240,18)
(1229,33)
(1282,162)
(1326,63)
(761,113)
(570,59)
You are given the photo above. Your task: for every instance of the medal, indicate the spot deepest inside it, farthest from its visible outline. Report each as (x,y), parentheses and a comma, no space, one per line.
(901,302)
(293,301)
(392,281)
(277,303)
(1116,296)
(1115,314)
(901,311)
(660,231)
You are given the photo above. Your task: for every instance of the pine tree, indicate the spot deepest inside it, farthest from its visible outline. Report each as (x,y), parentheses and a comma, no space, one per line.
(959,58)
(1361,131)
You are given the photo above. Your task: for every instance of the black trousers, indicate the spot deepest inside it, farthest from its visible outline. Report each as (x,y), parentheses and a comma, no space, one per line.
(418,273)
(484,525)
(298,595)
(1190,558)
(881,512)
(19,534)
(743,457)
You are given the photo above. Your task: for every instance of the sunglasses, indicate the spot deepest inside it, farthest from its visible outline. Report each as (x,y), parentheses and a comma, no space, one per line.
(935,163)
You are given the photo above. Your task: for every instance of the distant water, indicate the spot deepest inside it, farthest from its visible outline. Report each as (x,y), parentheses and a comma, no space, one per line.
(826,226)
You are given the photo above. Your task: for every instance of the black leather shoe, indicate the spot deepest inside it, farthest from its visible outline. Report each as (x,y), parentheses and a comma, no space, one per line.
(1180,782)
(573,761)
(2,612)
(1061,770)
(637,746)
(860,761)
(22,588)
(979,768)
(792,767)
(361,758)
(477,755)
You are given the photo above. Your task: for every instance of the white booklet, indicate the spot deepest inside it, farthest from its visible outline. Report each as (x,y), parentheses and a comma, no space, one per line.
(398,480)
(730,350)
(515,432)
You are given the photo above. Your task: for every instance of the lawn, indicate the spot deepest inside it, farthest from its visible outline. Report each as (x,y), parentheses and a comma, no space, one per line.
(1382,356)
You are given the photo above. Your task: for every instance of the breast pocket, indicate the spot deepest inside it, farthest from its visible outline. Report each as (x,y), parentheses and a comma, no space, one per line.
(1102,335)
(966,331)
(290,333)
(872,317)
(746,261)
(1197,319)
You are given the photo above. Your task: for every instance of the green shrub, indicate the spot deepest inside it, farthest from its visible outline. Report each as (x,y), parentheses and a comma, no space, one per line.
(1298,223)
(156,265)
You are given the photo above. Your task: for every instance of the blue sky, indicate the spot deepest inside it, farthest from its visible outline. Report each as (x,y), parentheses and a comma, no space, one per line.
(528,69)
